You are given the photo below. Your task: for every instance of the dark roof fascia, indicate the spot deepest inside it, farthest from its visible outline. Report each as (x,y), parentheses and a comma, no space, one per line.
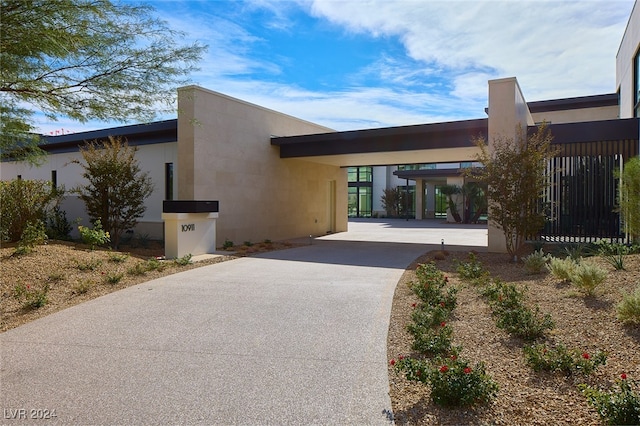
(594,101)
(594,131)
(456,134)
(427,173)
(136,135)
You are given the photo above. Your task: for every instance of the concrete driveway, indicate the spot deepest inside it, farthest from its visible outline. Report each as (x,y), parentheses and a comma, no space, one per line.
(290,337)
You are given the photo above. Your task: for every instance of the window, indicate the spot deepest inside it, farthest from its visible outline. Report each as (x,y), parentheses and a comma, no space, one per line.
(168,181)
(636,85)
(360,201)
(54,180)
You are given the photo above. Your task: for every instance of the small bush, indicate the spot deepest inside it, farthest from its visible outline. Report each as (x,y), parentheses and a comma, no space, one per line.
(82,287)
(248,243)
(587,277)
(562,269)
(24,201)
(613,254)
(118,257)
(113,277)
(432,340)
(90,265)
(455,384)
(184,260)
(560,358)
(628,309)
(94,237)
(471,269)
(227,245)
(619,406)
(58,227)
(33,296)
(137,270)
(33,235)
(154,264)
(56,277)
(536,262)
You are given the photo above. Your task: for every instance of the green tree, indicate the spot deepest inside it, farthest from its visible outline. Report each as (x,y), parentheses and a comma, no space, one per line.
(450,191)
(116,187)
(391,201)
(629,197)
(514,171)
(84,59)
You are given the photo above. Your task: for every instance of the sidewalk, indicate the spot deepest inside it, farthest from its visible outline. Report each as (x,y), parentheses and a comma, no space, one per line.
(290,337)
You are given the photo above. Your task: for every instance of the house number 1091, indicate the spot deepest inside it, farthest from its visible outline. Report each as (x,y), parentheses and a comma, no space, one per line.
(189,227)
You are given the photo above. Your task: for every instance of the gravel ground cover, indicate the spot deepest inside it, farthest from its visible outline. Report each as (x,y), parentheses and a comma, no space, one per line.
(525,397)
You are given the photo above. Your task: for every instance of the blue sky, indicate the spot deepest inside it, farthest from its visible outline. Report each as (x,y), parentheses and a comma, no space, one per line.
(376,63)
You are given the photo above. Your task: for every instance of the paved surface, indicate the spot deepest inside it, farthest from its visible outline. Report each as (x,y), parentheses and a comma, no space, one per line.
(290,337)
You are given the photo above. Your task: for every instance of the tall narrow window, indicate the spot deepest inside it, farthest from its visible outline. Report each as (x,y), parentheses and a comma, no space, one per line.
(54,180)
(168,181)
(636,85)
(360,191)
(19,177)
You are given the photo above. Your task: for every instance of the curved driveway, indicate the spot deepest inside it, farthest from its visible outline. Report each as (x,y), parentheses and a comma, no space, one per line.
(290,337)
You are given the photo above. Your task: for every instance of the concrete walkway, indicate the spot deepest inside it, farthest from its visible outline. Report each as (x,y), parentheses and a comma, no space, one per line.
(290,337)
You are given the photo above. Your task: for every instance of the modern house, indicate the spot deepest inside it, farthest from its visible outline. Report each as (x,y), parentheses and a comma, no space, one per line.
(279,177)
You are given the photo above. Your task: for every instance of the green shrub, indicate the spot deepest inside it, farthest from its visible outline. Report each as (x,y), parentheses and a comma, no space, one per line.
(536,262)
(562,269)
(82,287)
(560,358)
(58,227)
(587,277)
(613,253)
(430,316)
(432,340)
(23,202)
(619,406)
(56,277)
(471,269)
(456,384)
(118,257)
(628,309)
(33,296)
(94,237)
(137,270)
(184,260)
(154,264)
(90,265)
(227,244)
(32,235)
(113,277)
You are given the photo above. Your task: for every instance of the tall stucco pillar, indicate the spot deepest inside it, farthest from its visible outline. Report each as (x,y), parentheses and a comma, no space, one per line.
(508,111)
(430,198)
(419,199)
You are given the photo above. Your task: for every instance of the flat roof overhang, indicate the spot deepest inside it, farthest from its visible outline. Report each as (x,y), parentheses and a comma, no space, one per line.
(425,143)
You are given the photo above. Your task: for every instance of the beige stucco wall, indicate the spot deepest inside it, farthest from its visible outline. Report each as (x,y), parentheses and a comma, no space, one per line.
(225,154)
(152,159)
(577,115)
(508,112)
(624,63)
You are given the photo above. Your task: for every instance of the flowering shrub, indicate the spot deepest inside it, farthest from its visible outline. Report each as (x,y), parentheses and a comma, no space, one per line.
(33,297)
(512,315)
(94,237)
(453,381)
(430,316)
(560,358)
(472,270)
(619,406)
(432,340)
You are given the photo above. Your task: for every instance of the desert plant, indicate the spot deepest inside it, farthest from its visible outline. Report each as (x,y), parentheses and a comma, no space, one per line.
(113,277)
(471,269)
(33,296)
(514,173)
(562,269)
(58,227)
(536,261)
(116,185)
(95,236)
(82,287)
(628,310)
(153,264)
(56,277)
(118,257)
(23,202)
(184,260)
(32,235)
(432,340)
(455,383)
(619,406)
(227,244)
(137,270)
(89,265)
(613,253)
(587,277)
(560,358)
(629,197)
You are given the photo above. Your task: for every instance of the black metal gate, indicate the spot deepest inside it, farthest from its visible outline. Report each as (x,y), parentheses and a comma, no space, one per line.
(582,196)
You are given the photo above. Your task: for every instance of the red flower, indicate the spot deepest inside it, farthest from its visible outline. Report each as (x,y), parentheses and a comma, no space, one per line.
(442,304)
(413,305)
(446,279)
(419,373)
(444,369)
(453,357)
(623,376)
(102,272)
(585,355)
(401,357)
(392,362)
(442,324)
(467,370)
(28,286)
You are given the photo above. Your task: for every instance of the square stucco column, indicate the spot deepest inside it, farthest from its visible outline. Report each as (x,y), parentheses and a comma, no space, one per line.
(419,199)
(189,229)
(508,110)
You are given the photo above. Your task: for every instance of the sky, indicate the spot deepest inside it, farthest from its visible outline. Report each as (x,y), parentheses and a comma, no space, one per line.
(359,64)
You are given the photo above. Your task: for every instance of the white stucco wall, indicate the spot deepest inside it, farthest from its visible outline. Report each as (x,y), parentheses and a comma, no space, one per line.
(624,63)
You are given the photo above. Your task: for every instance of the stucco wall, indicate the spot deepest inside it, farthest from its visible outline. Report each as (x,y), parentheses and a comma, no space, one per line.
(225,154)
(152,159)
(624,63)
(577,115)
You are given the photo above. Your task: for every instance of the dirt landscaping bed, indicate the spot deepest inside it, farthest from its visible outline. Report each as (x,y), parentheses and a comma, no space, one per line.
(524,397)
